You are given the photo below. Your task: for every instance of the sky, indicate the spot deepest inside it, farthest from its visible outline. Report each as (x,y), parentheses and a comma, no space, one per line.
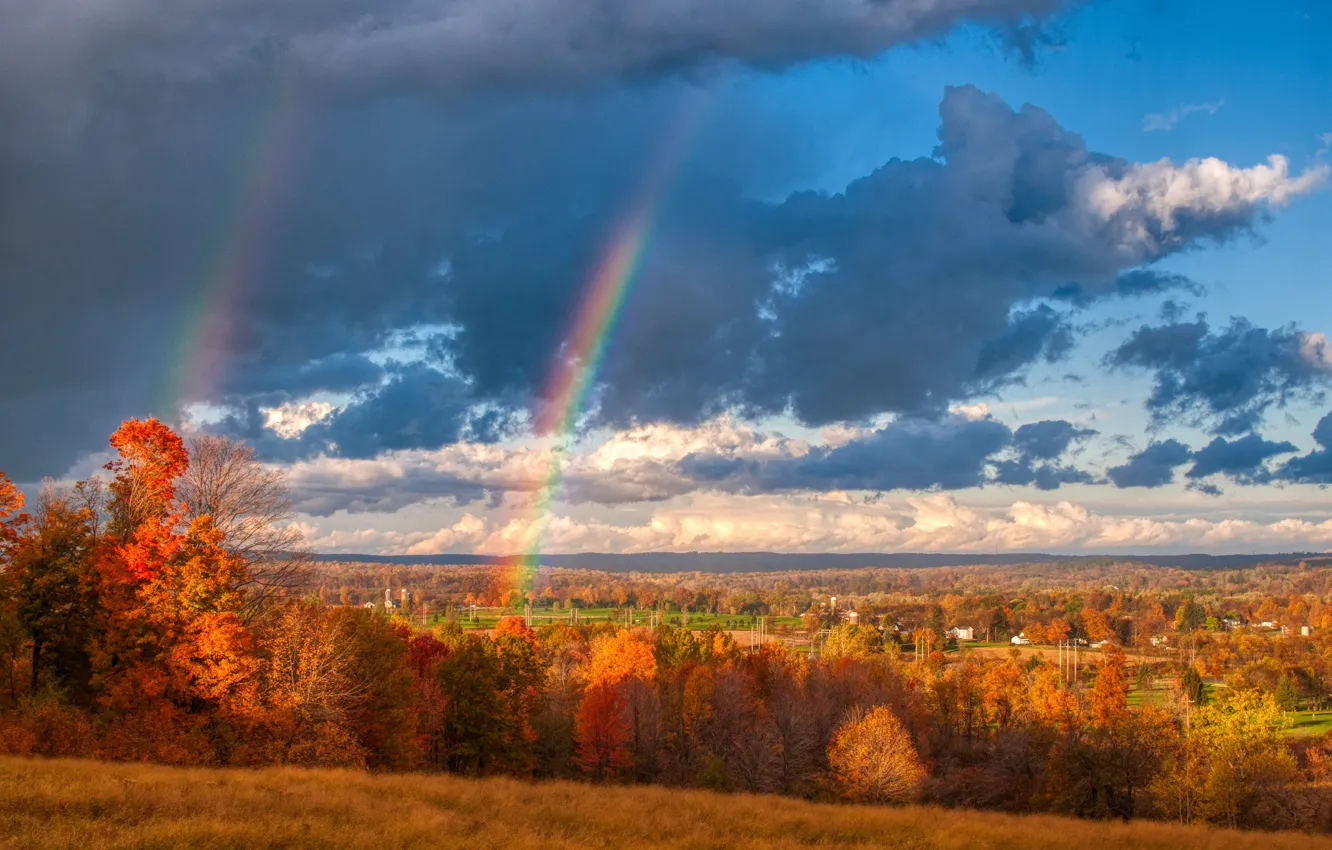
(501,276)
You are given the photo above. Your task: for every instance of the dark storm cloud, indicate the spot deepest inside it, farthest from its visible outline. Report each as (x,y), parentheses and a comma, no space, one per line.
(336,373)
(1225,380)
(146,152)
(1154,466)
(419,408)
(116,242)
(324,491)
(139,48)
(906,455)
(1316,466)
(132,130)
(1242,460)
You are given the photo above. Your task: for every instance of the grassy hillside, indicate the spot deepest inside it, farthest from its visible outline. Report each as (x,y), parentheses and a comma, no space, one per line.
(85,804)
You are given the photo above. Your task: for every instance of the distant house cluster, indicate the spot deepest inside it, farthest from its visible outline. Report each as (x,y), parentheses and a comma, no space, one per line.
(403,602)
(831,610)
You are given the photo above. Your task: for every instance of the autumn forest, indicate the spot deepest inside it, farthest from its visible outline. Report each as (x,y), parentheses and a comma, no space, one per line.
(165,613)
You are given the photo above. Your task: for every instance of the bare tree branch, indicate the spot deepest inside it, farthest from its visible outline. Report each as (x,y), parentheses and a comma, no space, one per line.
(248,502)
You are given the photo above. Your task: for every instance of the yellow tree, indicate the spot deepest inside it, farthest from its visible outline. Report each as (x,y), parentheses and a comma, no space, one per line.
(619,657)
(607,718)
(1248,768)
(1003,687)
(848,640)
(873,760)
(1053,705)
(311,687)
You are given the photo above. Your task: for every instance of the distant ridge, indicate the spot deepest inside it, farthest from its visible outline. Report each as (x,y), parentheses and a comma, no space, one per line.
(753,562)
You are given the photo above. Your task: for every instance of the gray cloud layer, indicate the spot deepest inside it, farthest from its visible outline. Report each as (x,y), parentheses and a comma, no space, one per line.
(146,171)
(951,453)
(144,49)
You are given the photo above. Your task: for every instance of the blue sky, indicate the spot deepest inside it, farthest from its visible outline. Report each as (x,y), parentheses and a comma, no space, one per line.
(401,278)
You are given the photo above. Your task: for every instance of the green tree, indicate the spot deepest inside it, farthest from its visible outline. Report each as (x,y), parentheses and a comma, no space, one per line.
(935,622)
(1286,696)
(484,727)
(1192,684)
(56,594)
(384,720)
(1190,617)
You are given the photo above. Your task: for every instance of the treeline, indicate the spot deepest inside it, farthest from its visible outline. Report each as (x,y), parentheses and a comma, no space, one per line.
(159,617)
(1138,607)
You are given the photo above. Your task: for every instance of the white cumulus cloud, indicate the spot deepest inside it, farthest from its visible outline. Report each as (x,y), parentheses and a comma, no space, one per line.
(928,523)
(1149,203)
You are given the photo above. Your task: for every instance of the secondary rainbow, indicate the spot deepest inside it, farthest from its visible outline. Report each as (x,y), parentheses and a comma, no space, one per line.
(212,323)
(575,369)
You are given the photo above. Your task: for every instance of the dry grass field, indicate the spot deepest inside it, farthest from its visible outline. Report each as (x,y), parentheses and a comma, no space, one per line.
(93,805)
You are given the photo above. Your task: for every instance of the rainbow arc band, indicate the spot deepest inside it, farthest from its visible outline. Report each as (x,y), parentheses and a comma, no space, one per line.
(574,372)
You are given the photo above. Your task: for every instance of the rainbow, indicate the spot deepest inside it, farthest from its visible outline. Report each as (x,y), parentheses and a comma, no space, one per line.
(574,372)
(213,323)
(213,320)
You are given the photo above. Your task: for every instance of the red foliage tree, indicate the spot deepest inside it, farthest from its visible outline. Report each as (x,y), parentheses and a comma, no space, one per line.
(11,502)
(602,730)
(423,655)
(144,509)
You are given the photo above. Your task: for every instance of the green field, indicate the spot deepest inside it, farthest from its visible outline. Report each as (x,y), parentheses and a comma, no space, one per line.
(1309,724)
(1158,694)
(488,618)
